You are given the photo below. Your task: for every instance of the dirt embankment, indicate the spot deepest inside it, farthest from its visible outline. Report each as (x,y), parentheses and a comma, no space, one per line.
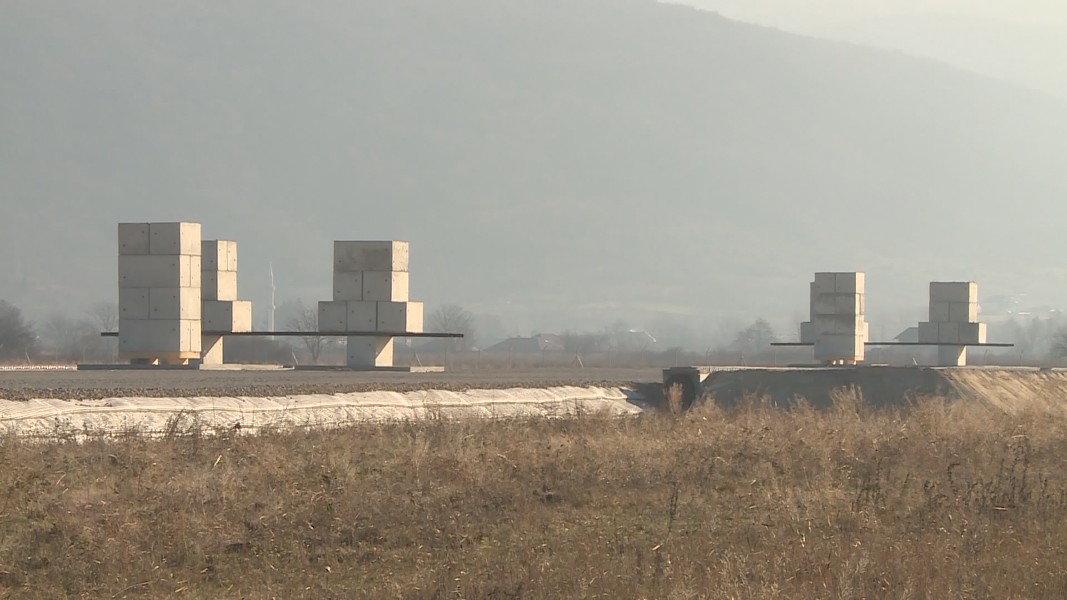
(1007,389)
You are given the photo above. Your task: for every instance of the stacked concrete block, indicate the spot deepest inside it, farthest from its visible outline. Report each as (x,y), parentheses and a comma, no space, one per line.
(837,327)
(221,310)
(953,323)
(370,294)
(159,292)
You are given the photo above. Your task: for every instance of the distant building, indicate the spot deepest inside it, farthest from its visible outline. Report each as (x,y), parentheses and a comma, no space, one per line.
(541,342)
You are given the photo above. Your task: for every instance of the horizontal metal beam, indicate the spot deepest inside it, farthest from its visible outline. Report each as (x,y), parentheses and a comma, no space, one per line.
(318,334)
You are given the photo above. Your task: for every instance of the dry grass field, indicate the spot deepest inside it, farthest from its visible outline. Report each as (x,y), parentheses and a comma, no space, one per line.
(931,501)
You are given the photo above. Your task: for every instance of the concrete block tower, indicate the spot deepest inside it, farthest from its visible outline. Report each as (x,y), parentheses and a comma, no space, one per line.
(953,320)
(837,327)
(370,294)
(159,292)
(221,310)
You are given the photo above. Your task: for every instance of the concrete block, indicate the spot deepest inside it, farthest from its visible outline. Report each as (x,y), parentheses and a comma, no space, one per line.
(333,316)
(194,336)
(174,303)
(370,256)
(963,312)
(398,317)
(370,352)
(159,336)
(174,238)
(348,285)
(953,291)
(849,283)
(807,332)
(219,255)
(928,333)
(824,304)
(157,271)
(839,325)
(849,304)
(228,316)
(212,350)
(362,316)
(972,333)
(219,285)
(939,312)
(133,238)
(195,271)
(948,333)
(848,348)
(825,283)
(385,286)
(811,300)
(133,303)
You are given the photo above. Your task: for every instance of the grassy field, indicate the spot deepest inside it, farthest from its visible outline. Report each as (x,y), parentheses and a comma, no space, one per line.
(932,501)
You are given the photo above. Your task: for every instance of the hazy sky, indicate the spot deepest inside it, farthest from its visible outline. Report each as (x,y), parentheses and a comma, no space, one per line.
(809,13)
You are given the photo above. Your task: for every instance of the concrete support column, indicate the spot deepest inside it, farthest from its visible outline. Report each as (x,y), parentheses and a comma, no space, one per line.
(212,350)
(370,352)
(952,356)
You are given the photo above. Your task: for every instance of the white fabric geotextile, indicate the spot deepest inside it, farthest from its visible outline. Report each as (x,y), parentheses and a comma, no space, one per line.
(53,418)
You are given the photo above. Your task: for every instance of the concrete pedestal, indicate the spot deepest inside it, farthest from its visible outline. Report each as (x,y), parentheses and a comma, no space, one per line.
(369,353)
(212,350)
(952,356)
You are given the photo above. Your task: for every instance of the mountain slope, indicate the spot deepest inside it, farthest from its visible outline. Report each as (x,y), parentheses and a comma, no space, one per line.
(547,159)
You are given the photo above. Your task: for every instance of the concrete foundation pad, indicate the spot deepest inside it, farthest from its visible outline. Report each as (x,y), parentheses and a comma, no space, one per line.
(137,367)
(192,366)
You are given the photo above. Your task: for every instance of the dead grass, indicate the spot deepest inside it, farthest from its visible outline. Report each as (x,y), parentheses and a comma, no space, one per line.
(931,502)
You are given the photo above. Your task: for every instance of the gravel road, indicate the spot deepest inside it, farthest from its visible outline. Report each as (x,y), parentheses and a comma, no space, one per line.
(91,385)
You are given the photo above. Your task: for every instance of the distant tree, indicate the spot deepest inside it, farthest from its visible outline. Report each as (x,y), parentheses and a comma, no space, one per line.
(17,338)
(452,318)
(104,315)
(754,339)
(71,340)
(307,319)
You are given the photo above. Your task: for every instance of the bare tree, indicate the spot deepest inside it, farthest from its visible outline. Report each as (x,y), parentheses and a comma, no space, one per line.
(105,315)
(307,319)
(72,340)
(17,339)
(453,318)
